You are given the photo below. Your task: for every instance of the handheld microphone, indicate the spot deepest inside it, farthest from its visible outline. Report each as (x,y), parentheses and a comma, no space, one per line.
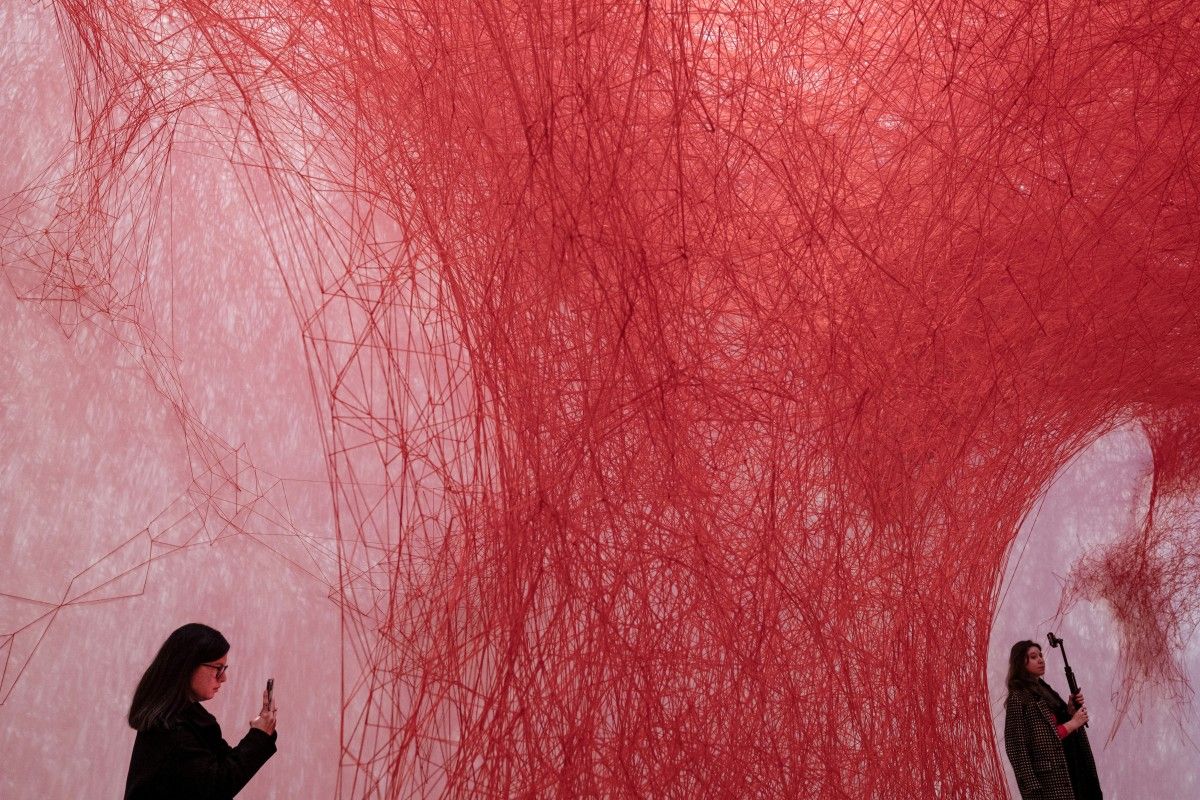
(1057,642)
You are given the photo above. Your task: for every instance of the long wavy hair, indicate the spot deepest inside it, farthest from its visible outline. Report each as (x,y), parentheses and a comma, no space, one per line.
(166,687)
(1018,675)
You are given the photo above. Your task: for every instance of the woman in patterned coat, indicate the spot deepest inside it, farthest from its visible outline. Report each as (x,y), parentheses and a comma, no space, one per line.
(1043,736)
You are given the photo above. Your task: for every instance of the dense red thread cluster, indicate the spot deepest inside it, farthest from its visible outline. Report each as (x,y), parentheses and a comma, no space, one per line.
(685,369)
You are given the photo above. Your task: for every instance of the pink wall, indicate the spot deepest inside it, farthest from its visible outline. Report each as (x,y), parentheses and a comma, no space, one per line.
(95,464)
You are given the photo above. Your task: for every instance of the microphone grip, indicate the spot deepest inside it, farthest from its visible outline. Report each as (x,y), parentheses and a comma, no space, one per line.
(1073,684)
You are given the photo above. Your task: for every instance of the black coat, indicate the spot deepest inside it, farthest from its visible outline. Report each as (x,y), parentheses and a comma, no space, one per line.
(190,761)
(1045,767)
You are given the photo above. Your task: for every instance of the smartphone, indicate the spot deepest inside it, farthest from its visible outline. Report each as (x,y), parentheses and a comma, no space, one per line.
(270,692)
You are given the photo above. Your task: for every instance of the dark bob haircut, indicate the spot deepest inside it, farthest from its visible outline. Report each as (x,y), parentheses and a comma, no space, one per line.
(166,687)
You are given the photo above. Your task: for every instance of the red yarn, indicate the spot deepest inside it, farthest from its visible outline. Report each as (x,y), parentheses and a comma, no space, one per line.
(686,370)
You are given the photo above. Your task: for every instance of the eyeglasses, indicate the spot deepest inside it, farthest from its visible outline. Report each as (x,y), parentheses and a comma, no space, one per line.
(220,668)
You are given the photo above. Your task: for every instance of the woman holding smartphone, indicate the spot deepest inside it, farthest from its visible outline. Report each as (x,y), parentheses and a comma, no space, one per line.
(179,752)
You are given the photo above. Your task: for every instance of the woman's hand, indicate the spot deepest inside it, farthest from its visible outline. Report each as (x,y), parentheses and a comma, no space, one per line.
(1075,702)
(1078,719)
(265,721)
